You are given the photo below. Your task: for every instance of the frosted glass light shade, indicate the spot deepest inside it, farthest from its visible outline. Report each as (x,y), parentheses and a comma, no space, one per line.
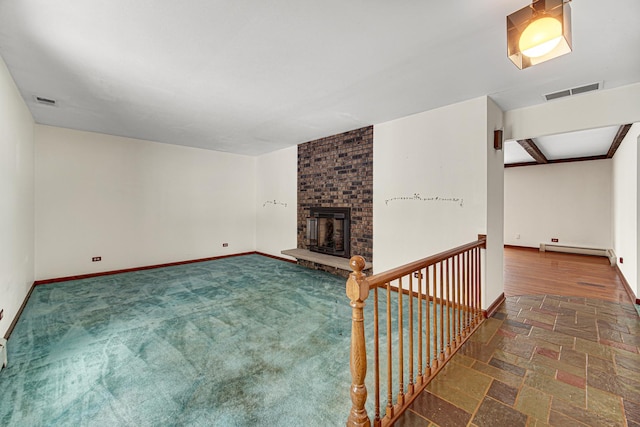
(540,37)
(539,32)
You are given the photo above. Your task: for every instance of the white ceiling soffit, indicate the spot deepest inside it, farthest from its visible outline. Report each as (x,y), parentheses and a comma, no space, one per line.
(593,142)
(253,77)
(514,153)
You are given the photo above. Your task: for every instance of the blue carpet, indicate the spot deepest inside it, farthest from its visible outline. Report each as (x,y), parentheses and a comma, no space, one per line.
(243,341)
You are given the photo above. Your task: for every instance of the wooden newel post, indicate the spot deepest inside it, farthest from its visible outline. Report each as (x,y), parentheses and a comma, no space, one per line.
(358,291)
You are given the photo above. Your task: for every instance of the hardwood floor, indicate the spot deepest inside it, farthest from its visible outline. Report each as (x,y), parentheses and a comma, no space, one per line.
(531,272)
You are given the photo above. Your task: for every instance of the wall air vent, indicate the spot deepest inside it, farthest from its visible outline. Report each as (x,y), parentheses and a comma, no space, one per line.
(45,101)
(573,91)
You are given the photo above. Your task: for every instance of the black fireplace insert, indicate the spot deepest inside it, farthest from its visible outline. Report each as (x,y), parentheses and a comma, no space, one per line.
(329,231)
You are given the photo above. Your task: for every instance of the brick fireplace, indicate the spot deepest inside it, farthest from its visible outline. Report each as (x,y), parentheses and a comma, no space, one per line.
(337,171)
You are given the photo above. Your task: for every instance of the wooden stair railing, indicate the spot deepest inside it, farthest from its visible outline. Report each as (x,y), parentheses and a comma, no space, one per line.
(444,308)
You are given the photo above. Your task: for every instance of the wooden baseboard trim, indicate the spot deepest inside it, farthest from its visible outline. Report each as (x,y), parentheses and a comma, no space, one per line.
(522,247)
(276,257)
(19,313)
(494,306)
(128,270)
(627,287)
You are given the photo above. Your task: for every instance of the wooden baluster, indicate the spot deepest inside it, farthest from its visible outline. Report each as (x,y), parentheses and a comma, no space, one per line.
(435,320)
(376,356)
(464,294)
(441,331)
(479,285)
(427,371)
(473,287)
(448,306)
(411,382)
(468,290)
(459,315)
(389,412)
(358,291)
(454,301)
(420,373)
(400,346)
(476,280)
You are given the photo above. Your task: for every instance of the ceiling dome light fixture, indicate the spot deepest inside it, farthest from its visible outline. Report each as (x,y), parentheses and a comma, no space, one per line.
(539,32)
(540,37)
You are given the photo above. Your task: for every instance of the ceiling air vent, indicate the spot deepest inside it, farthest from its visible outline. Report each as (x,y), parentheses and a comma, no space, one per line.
(45,101)
(586,88)
(557,95)
(573,91)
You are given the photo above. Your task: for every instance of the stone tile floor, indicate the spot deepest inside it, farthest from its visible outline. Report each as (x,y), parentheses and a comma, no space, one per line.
(538,361)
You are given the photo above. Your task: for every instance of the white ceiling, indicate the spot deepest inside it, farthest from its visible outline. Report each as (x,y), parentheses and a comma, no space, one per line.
(255,76)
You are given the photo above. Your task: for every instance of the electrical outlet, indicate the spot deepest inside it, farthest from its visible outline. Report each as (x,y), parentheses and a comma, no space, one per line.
(96,259)
(224,245)
(621,260)
(517,236)
(554,240)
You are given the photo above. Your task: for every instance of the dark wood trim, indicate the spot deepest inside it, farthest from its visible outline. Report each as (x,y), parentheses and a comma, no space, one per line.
(517,165)
(19,313)
(494,306)
(128,270)
(528,248)
(497,139)
(276,257)
(617,140)
(533,150)
(627,287)
(579,159)
(550,162)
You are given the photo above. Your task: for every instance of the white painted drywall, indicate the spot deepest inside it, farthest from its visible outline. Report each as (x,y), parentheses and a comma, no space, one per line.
(625,201)
(276,201)
(567,201)
(587,111)
(439,155)
(494,255)
(16,199)
(136,203)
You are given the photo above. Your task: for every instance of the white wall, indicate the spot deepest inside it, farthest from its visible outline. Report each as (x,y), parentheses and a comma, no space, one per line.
(568,201)
(16,199)
(625,199)
(435,154)
(276,201)
(136,203)
(434,175)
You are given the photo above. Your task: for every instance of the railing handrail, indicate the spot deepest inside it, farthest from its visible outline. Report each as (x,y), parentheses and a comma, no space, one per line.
(378,279)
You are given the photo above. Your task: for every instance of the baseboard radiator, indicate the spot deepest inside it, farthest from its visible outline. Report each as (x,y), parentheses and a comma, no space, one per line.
(607,253)
(3,353)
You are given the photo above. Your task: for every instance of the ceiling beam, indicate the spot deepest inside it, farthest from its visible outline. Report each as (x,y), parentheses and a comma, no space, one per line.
(554,161)
(617,140)
(533,150)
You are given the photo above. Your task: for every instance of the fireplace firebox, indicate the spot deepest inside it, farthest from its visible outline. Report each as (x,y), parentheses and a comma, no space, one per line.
(329,231)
